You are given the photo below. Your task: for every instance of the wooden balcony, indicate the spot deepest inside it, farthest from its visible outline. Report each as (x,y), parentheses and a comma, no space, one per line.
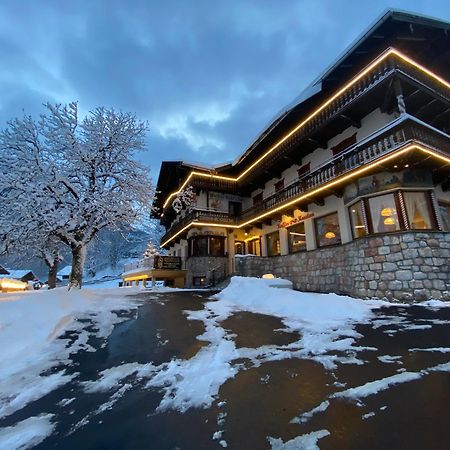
(403,131)
(299,143)
(372,148)
(200,215)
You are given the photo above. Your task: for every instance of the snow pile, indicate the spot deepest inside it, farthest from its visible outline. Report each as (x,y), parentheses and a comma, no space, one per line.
(30,325)
(305,442)
(26,434)
(325,321)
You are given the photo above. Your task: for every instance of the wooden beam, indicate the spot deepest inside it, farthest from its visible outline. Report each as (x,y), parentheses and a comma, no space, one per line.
(354,122)
(317,143)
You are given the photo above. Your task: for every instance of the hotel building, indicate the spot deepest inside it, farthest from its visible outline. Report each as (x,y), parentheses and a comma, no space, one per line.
(347,190)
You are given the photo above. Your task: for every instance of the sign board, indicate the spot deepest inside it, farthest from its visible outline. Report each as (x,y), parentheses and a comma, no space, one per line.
(159,284)
(293,220)
(167,262)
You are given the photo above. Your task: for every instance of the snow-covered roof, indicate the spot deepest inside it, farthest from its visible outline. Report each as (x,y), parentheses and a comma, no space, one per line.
(17,274)
(65,271)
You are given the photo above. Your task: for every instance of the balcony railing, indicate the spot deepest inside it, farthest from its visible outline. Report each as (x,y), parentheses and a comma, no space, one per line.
(390,65)
(393,137)
(200,215)
(381,143)
(146,263)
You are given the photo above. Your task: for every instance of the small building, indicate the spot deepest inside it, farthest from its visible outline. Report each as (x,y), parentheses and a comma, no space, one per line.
(15,280)
(64,273)
(20,275)
(161,268)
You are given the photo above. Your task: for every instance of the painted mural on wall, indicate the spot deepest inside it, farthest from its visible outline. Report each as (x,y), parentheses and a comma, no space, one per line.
(384,181)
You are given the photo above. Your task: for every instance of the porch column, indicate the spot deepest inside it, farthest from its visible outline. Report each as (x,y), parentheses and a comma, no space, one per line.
(231,250)
(284,241)
(263,245)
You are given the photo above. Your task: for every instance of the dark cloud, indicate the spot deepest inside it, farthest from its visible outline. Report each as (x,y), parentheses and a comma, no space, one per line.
(207,75)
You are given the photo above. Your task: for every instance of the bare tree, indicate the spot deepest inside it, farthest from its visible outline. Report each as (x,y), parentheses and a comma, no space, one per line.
(75,177)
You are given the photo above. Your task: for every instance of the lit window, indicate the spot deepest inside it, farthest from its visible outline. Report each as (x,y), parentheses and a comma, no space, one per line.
(273,243)
(239,248)
(297,238)
(254,247)
(327,230)
(216,246)
(383,211)
(418,210)
(357,219)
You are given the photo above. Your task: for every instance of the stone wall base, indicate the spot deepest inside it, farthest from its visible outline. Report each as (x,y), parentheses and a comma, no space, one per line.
(406,266)
(212,268)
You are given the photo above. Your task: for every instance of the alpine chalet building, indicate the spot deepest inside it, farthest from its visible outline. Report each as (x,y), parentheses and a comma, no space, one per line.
(346,191)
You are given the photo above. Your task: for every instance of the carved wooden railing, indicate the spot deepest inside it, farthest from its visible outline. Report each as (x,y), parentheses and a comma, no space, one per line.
(393,137)
(391,65)
(355,156)
(200,215)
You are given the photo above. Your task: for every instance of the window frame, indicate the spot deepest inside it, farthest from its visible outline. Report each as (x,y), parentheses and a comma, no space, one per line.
(317,234)
(272,233)
(289,240)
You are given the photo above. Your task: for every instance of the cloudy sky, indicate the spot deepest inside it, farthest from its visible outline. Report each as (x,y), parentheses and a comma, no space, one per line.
(208,75)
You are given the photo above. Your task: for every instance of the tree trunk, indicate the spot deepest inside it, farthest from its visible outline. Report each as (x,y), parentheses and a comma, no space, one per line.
(52,271)
(78,259)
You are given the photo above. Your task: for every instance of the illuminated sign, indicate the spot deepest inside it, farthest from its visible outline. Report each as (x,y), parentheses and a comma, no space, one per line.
(293,220)
(167,262)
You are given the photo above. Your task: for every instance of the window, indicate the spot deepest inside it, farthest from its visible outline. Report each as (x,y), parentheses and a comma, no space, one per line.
(303,170)
(418,210)
(258,198)
(207,246)
(279,185)
(327,230)
(254,247)
(273,243)
(200,246)
(234,208)
(383,212)
(239,248)
(357,219)
(343,145)
(444,209)
(297,238)
(199,281)
(216,246)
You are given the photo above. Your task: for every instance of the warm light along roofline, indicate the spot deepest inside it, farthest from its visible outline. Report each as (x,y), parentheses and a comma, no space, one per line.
(343,178)
(381,58)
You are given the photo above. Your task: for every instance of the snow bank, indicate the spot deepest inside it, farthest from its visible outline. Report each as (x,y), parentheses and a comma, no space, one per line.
(323,320)
(318,310)
(30,325)
(26,434)
(304,442)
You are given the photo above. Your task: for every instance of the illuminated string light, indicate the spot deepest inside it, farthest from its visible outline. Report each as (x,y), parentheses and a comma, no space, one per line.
(313,192)
(377,61)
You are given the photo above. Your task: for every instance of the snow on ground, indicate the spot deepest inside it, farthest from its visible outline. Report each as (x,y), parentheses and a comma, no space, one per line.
(304,442)
(30,325)
(26,434)
(324,321)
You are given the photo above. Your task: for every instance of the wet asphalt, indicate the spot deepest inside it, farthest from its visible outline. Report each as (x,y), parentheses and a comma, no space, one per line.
(259,401)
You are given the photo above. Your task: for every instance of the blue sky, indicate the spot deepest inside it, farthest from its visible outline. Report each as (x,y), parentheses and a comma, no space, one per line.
(207,75)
